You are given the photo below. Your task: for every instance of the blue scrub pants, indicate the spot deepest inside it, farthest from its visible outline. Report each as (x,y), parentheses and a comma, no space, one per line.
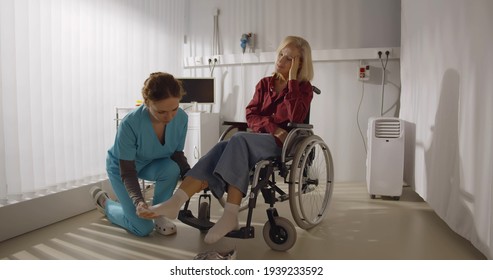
(164,172)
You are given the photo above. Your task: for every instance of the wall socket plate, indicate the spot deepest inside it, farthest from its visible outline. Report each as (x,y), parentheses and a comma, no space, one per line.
(214,59)
(363,71)
(384,50)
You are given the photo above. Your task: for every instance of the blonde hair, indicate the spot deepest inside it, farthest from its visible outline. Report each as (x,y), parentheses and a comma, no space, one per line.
(306,71)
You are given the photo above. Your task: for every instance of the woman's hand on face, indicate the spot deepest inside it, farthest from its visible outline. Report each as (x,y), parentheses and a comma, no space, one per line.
(295,65)
(143,211)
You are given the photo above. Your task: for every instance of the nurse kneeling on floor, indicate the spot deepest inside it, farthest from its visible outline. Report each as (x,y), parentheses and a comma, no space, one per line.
(148,145)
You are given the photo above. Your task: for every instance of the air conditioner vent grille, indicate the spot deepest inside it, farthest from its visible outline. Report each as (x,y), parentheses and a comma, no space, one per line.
(387,128)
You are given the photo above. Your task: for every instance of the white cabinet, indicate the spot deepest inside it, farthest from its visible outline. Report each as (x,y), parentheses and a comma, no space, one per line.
(202,135)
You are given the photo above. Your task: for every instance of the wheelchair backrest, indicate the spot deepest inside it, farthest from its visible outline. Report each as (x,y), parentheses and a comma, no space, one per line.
(317,91)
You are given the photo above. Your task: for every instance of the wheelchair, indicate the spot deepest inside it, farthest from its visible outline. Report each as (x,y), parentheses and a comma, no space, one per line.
(305,165)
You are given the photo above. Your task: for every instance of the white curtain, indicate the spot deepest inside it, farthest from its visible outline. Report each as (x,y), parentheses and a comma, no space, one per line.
(447,93)
(64,66)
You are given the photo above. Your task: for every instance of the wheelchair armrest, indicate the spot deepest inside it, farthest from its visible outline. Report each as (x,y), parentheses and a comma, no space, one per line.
(300,125)
(298,132)
(240,126)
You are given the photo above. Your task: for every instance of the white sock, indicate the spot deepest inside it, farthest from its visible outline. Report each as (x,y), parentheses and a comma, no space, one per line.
(227,223)
(170,207)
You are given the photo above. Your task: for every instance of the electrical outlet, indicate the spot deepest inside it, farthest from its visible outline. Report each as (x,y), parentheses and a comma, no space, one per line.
(212,60)
(363,71)
(383,53)
(198,60)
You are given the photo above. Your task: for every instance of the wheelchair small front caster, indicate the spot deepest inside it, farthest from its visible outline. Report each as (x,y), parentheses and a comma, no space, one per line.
(280,237)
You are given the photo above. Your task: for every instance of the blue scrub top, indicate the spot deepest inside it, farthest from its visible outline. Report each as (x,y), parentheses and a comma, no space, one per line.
(136,139)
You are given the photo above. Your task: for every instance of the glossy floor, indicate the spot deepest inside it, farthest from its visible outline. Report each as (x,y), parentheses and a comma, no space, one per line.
(355,228)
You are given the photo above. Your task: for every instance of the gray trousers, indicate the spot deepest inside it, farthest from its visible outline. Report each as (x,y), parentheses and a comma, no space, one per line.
(229,162)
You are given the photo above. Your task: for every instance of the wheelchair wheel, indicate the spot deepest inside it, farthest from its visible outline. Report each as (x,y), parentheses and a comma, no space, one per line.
(311,182)
(281,237)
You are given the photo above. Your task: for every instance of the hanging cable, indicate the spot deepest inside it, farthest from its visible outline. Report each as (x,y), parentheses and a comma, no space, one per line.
(384,66)
(357,115)
(214,35)
(211,69)
(212,65)
(215,44)
(215,39)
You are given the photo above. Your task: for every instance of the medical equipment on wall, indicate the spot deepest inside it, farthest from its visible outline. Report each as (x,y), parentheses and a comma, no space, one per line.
(247,40)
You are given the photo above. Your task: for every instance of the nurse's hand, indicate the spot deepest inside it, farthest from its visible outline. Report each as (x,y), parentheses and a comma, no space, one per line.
(144,212)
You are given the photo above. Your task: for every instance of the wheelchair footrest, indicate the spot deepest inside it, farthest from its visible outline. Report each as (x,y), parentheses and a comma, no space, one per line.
(186,217)
(283,197)
(243,233)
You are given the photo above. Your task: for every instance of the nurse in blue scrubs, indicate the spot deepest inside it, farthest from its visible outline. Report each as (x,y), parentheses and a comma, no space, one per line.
(148,145)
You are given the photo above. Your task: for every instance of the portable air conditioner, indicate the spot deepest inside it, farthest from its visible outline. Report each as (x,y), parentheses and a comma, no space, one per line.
(385,158)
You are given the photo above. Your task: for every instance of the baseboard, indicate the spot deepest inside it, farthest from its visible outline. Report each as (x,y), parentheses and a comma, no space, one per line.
(29,215)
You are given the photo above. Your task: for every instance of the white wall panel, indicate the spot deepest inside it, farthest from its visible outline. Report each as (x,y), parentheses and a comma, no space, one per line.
(326,24)
(447,96)
(348,26)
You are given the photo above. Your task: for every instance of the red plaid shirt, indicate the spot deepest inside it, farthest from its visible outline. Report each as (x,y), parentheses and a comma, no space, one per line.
(269,110)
